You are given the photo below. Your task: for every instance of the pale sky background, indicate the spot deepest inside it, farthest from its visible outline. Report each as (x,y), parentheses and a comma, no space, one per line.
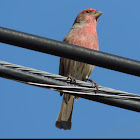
(30,112)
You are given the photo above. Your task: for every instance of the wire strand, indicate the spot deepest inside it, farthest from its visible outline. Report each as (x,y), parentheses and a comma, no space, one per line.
(60,83)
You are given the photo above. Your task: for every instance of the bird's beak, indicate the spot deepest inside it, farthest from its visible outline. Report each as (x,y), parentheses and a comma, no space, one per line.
(97,14)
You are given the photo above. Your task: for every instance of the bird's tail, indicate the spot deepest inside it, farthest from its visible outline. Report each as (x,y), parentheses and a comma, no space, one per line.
(64,119)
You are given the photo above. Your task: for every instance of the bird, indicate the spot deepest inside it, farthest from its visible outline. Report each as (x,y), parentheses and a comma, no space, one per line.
(83,33)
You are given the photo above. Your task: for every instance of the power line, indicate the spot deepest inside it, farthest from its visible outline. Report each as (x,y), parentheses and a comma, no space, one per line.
(70,51)
(60,83)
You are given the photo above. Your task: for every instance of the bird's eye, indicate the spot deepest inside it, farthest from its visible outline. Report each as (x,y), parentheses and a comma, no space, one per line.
(88,11)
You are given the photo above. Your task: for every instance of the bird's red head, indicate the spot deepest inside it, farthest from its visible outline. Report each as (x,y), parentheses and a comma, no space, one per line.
(87,10)
(88,15)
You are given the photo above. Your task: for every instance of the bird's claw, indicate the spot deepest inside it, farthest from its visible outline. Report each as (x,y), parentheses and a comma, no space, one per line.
(94,84)
(72,79)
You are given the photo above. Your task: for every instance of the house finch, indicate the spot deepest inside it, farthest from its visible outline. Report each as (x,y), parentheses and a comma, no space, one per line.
(83,33)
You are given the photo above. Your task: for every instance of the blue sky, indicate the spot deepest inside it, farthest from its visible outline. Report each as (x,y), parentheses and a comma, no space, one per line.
(30,112)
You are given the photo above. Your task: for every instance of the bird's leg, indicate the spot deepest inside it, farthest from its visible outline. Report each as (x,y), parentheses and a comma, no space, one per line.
(93,83)
(72,79)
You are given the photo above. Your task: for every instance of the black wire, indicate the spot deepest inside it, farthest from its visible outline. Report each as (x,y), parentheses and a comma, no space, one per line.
(63,49)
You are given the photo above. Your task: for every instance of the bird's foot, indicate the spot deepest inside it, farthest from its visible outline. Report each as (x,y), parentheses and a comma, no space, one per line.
(94,84)
(72,79)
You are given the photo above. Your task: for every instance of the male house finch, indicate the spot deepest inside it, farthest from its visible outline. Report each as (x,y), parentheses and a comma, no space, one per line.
(83,33)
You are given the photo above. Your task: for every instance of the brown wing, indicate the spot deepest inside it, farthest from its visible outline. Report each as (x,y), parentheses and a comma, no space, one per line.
(61,70)
(61,64)
(61,67)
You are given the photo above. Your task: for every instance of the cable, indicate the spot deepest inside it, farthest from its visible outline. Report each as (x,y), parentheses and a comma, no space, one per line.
(60,83)
(70,51)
